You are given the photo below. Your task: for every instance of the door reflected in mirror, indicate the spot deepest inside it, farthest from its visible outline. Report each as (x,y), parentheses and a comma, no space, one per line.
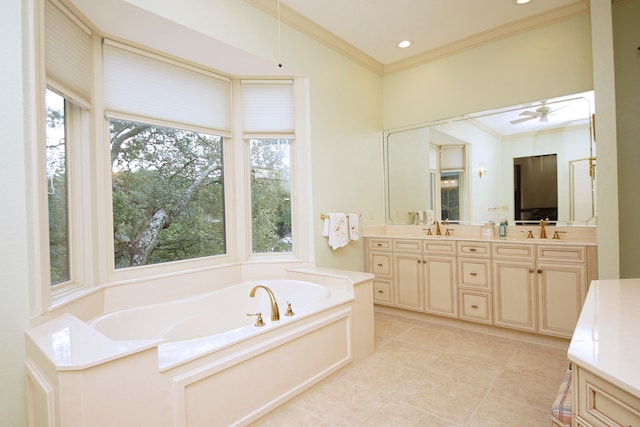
(535,183)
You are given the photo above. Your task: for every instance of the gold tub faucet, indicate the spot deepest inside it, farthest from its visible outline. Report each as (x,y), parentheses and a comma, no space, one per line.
(275,312)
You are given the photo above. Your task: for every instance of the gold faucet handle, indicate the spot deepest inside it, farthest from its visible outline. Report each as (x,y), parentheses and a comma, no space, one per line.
(428,230)
(556,234)
(259,321)
(448,232)
(529,234)
(289,310)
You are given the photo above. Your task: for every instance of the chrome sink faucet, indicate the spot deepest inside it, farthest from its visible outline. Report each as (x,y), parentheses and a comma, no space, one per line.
(275,312)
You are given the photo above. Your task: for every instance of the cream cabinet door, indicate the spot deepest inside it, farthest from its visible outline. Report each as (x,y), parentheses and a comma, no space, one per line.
(441,295)
(561,292)
(408,280)
(515,294)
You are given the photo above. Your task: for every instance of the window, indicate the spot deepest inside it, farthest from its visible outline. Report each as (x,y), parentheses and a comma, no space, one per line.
(167,192)
(57,188)
(452,182)
(270,195)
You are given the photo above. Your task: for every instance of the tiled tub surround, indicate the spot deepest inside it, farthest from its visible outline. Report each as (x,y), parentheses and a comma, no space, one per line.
(142,366)
(604,351)
(530,284)
(436,372)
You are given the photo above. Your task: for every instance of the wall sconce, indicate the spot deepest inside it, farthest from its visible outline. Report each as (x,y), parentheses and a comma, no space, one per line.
(482,169)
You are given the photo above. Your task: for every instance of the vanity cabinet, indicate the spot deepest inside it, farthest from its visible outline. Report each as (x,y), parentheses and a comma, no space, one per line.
(539,288)
(425,276)
(533,286)
(379,262)
(474,281)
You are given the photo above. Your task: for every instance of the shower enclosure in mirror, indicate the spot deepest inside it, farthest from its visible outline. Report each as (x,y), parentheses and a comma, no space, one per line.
(521,163)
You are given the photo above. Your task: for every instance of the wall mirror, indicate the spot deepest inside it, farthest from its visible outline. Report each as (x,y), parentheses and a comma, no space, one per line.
(521,163)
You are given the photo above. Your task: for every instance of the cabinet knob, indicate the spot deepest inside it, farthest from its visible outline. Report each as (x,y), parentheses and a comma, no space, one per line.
(419,261)
(473,274)
(531,270)
(474,306)
(472,249)
(379,265)
(539,270)
(378,244)
(381,292)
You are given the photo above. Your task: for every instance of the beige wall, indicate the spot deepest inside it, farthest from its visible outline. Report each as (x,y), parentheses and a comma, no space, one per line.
(626,38)
(551,61)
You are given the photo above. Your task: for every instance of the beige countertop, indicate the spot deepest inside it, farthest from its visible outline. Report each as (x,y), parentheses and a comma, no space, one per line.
(606,340)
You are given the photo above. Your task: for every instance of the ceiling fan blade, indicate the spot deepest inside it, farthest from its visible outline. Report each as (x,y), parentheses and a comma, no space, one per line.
(524,119)
(529,113)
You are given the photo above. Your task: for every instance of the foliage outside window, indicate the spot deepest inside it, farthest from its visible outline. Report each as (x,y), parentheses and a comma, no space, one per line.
(167,192)
(57,190)
(450,195)
(271,195)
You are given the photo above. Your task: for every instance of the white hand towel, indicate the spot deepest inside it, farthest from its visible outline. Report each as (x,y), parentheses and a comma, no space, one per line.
(429,217)
(420,217)
(325,226)
(338,230)
(354,234)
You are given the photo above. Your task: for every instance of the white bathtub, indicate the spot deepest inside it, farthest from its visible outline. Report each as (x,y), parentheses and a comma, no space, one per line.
(193,326)
(199,361)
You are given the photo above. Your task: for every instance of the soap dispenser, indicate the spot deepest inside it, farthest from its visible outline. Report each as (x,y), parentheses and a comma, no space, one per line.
(503,228)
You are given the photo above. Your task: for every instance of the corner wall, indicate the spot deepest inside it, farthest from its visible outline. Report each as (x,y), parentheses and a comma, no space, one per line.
(14,260)
(626,44)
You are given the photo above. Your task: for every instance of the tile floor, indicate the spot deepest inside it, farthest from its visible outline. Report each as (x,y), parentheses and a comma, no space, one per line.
(425,373)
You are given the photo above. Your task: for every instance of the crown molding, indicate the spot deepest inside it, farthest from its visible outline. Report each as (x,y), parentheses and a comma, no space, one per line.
(327,38)
(517,27)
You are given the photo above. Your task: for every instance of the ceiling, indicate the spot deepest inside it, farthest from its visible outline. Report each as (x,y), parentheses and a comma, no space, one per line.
(368,31)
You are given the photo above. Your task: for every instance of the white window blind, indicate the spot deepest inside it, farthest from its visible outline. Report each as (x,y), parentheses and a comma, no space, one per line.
(67,52)
(147,85)
(452,157)
(267,107)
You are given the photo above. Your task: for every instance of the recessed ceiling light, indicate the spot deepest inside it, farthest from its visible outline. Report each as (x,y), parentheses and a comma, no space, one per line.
(404,44)
(522,1)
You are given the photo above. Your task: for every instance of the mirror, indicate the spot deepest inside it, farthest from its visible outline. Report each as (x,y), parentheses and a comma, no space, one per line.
(473,166)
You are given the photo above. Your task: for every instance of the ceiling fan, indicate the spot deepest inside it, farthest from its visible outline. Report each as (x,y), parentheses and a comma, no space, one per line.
(541,113)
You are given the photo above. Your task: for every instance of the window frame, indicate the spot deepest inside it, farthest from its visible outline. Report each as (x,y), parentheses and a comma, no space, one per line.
(89,188)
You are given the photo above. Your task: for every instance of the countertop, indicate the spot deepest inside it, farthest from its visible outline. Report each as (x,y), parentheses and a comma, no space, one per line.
(606,340)
(515,234)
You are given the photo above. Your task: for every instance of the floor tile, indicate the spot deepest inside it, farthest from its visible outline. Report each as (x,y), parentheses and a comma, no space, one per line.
(497,412)
(426,373)
(399,415)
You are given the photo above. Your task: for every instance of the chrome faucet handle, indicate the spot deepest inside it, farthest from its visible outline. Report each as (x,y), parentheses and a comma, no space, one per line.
(289,310)
(259,321)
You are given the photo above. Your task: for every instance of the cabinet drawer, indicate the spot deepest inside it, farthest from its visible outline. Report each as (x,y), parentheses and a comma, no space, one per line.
(380,264)
(514,250)
(440,246)
(380,244)
(475,273)
(407,245)
(474,249)
(562,253)
(602,403)
(475,306)
(382,291)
